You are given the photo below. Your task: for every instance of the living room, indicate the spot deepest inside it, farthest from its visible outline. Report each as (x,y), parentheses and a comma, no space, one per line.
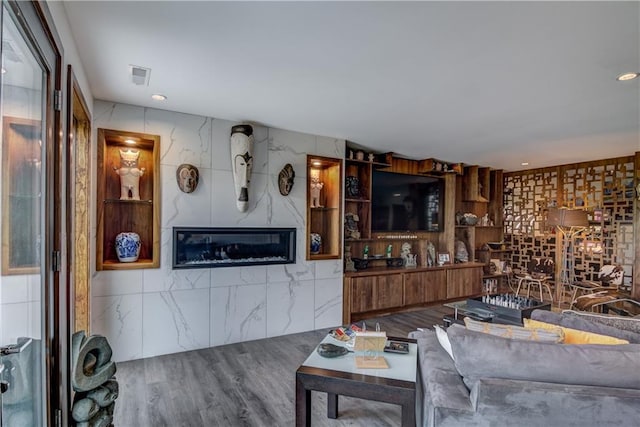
(490,84)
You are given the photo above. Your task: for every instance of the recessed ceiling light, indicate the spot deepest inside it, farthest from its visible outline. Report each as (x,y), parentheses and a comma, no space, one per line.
(3,70)
(129,141)
(627,76)
(158,97)
(316,163)
(524,164)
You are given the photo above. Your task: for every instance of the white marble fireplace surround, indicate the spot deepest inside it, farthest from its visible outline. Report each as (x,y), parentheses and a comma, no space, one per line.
(150,312)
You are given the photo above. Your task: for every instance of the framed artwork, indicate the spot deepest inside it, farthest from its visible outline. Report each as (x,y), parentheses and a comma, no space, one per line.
(444,258)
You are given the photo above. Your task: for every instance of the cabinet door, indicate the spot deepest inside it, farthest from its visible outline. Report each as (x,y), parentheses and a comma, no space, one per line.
(362,294)
(435,286)
(389,291)
(414,284)
(462,282)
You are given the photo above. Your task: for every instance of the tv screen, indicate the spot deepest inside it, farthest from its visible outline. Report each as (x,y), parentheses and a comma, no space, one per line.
(402,202)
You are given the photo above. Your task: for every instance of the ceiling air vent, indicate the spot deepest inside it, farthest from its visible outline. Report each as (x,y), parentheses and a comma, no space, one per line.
(139,75)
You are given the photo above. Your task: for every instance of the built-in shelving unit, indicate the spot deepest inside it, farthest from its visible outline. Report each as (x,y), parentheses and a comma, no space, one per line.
(324,208)
(116,214)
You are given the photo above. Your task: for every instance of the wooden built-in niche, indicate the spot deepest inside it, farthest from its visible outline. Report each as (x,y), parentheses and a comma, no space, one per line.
(479,192)
(116,215)
(324,216)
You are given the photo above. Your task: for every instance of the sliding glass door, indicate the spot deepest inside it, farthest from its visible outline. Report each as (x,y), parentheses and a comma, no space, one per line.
(27,204)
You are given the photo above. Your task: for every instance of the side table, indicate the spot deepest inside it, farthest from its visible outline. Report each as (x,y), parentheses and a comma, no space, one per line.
(339,376)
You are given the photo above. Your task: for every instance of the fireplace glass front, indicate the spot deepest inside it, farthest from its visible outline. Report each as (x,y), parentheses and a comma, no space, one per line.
(195,247)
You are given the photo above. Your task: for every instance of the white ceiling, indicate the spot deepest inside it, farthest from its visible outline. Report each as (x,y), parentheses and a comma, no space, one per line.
(489,83)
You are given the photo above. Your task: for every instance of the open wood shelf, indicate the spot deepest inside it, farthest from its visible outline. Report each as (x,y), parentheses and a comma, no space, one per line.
(116,215)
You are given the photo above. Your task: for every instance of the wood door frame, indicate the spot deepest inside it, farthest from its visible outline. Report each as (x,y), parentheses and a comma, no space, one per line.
(78,272)
(79,298)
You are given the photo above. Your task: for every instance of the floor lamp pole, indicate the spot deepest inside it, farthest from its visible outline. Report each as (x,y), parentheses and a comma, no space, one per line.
(567,273)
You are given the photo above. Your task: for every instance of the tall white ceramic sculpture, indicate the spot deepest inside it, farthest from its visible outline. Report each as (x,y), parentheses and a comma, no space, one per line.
(129,175)
(242,163)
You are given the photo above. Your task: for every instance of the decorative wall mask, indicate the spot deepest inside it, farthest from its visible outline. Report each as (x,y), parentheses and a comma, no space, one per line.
(129,175)
(285,179)
(188,177)
(242,163)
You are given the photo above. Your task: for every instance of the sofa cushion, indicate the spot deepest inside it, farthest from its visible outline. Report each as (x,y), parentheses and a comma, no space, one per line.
(589,323)
(479,355)
(631,324)
(517,332)
(575,336)
(443,339)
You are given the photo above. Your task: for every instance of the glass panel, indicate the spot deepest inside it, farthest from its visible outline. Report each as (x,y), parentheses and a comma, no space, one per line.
(22,203)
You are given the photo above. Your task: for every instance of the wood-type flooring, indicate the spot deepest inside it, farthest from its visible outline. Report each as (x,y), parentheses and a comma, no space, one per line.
(246,384)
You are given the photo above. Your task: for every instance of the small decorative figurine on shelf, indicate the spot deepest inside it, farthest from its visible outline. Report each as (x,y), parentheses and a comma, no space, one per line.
(408,258)
(365,254)
(315,187)
(389,249)
(352,184)
(348,262)
(315,243)
(128,246)
(371,157)
(129,175)
(351,226)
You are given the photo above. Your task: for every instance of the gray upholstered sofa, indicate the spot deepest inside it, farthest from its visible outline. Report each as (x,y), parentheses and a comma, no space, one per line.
(496,381)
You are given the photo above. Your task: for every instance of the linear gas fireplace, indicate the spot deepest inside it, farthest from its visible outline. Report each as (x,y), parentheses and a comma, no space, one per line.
(196,247)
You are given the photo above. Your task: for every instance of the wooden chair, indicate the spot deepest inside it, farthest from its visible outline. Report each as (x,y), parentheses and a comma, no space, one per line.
(539,273)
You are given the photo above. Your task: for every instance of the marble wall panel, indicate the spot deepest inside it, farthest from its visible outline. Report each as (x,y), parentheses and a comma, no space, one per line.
(290,147)
(328,303)
(288,307)
(238,313)
(184,209)
(122,282)
(175,321)
(110,115)
(119,319)
(175,310)
(231,276)
(185,138)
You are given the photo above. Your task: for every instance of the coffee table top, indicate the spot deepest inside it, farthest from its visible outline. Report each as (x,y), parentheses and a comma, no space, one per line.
(401,366)
(461,307)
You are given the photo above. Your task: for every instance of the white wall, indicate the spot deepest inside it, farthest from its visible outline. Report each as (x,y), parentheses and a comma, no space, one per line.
(150,312)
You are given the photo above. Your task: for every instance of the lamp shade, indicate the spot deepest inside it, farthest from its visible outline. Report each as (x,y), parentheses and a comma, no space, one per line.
(564,217)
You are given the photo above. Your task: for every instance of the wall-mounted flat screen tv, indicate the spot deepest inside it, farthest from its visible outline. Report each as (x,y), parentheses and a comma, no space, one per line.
(403,202)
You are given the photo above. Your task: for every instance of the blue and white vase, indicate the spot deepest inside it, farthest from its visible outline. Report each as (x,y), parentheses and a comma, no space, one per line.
(128,246)
(315,241)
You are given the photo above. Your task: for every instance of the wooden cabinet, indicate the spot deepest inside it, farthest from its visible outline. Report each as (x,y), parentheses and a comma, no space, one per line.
(386,290)
(463,282)
(128,208)
(324,208)
(376,293)
(424,287)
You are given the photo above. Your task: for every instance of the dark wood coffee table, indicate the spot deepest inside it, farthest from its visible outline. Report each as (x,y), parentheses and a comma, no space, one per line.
(339,376)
